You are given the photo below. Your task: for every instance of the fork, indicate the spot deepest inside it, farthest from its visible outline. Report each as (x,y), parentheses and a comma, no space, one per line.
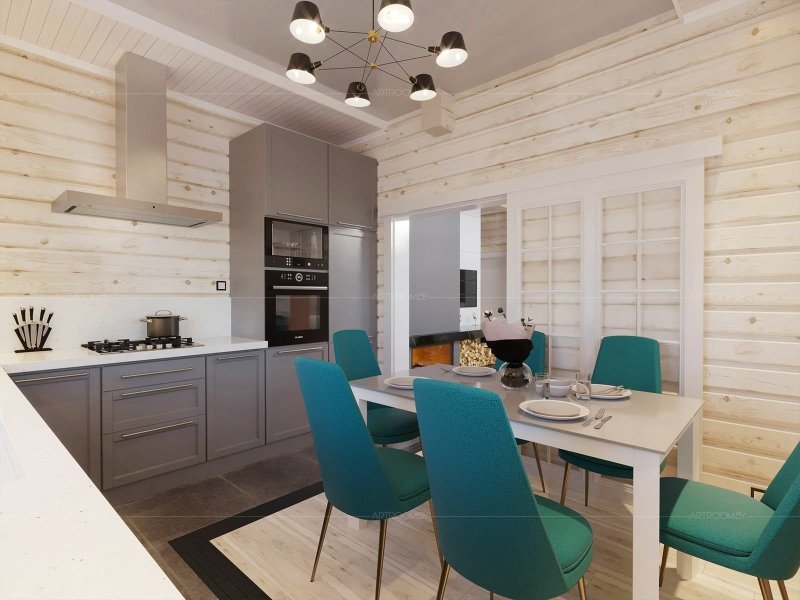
(597,417)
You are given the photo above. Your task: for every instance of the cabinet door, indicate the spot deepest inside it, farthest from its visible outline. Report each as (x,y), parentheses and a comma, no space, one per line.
(353,188)
(353,281)
(236,402)
(69,402)
(298,177)
(286,413)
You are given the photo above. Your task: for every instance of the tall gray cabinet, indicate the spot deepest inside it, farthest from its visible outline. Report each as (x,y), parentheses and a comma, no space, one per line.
(281,174)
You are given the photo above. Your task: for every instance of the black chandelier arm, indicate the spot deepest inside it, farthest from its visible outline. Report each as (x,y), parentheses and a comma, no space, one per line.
(338,68)
(393,75)
(394,62)
(408,43)
(346,49)
(364,33)
(343,50)
(375,60)
(397,61)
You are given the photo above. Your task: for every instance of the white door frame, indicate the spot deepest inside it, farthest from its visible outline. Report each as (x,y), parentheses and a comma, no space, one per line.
(694,153)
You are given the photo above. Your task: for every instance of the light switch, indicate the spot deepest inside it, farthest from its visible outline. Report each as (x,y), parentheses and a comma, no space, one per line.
(222,286)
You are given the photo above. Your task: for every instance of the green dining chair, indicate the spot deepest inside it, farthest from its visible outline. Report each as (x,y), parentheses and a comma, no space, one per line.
(360,479)
(630,361)
(535,361)
(354,355)
(755,537)
(493,529)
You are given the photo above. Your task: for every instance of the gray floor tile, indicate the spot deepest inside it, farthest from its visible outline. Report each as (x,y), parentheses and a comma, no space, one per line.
(187,582)
(310,452)
(276,477)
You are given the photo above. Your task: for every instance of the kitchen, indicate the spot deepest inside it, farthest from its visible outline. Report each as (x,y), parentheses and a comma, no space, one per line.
(182,217)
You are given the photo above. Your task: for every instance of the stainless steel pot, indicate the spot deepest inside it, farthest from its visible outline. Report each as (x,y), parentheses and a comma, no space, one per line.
(163,325)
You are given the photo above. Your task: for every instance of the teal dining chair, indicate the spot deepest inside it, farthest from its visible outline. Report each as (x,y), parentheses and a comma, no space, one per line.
(633,362)
(360,479)
(535,361)
(493,529)
(754,537)
(354,355)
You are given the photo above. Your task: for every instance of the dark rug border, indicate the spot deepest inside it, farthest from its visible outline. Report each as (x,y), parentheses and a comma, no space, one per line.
(221,576)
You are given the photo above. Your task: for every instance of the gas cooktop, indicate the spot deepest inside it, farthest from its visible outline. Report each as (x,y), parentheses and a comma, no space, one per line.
(126,345)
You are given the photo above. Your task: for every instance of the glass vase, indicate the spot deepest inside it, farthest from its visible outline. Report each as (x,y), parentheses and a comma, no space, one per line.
(515,376)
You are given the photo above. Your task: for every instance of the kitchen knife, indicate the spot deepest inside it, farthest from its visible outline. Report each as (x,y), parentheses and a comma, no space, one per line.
(21,339)
(21,328)
(48,329)
(31,327)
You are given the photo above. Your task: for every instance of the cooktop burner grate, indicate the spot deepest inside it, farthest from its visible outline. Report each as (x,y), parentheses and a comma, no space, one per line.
(128,345)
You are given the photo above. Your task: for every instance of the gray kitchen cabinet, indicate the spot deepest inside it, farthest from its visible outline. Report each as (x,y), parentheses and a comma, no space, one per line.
(298,177)
(286,413)
(153,372)
(144,452)
(236,402)
(353,281)
(129,408)
(353,189)
(69,402)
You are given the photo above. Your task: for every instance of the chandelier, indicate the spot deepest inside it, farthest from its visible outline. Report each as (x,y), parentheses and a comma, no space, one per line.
(394,16)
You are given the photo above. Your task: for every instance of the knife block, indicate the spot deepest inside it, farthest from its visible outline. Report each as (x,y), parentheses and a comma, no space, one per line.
(33,334)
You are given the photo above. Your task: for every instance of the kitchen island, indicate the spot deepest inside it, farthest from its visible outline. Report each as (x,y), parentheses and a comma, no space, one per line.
(59,536)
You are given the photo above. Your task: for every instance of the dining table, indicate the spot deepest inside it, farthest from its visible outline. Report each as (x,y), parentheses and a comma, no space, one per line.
(643,429)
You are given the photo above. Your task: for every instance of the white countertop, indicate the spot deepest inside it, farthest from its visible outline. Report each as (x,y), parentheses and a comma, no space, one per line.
(59,537)
(71,358)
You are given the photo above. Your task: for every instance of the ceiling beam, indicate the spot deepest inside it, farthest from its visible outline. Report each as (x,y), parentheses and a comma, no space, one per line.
(692,10)
(188,42)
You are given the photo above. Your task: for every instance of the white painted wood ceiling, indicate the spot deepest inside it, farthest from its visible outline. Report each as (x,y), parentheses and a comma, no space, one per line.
(66,28)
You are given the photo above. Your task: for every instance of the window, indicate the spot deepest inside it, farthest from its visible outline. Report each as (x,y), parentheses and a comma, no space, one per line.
(611,256)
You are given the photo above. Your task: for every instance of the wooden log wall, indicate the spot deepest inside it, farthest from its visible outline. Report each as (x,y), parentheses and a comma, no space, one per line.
(57,132)
(735,74)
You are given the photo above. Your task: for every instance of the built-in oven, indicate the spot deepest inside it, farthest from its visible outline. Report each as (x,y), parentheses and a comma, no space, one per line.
(291,244)
(296,305)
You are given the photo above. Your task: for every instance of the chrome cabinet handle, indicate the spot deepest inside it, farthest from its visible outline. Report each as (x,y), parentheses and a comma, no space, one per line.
(161,389)
(126,436)
(51,378)
(157,373)
(285,214)
(346,224)
(240,356)
(311,288)
(298,351)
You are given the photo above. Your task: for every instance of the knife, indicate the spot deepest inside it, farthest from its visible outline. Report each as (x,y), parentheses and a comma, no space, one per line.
(603,421)
(40,327)
(20,321)
(47,331)
(21,339)
(31,333)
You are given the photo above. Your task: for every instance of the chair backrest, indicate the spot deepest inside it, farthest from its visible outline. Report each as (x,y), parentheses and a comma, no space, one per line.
(354,480)
(488,520)
(629,360)
(354,354)
(777,552)
(535,359)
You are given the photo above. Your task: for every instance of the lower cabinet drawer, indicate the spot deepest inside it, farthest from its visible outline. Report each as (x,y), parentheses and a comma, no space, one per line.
(144,452)
(137,407)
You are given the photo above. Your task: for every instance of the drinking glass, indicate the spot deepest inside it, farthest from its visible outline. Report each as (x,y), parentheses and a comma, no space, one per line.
(542,384)
(583,386)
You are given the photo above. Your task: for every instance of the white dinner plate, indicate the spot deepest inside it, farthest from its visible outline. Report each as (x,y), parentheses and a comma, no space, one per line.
(601,391)
(556,410)
(474,371)
(402,382)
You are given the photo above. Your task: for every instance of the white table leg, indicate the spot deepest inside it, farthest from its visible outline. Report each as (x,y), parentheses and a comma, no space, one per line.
(689,468)
(352,522)
(646,497)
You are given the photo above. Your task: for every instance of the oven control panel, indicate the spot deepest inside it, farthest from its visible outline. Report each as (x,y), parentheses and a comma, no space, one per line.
(300,277)
(295,262)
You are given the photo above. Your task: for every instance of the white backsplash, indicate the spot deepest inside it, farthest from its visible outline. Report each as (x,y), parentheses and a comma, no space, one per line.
(78,319)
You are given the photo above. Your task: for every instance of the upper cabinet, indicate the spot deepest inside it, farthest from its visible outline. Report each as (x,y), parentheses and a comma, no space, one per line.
(298,177)
(353,189)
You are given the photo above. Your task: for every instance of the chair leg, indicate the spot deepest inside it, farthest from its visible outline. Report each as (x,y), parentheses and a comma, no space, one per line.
(663,566)
(491,595)
(766,590)
(325,522)
(585,487)
(582,588)
(539,465)
(782,588)
(443,580)
(381,548)
(564,483)
(436,533)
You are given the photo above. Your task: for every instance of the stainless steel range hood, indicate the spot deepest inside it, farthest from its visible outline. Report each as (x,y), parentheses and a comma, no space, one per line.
(141,115)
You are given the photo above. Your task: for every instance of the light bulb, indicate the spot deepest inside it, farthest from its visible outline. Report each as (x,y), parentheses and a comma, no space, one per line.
(395,16)
(451,58)
(307,31)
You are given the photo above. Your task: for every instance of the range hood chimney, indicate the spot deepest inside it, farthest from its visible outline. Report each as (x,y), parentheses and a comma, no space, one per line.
(141,123)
